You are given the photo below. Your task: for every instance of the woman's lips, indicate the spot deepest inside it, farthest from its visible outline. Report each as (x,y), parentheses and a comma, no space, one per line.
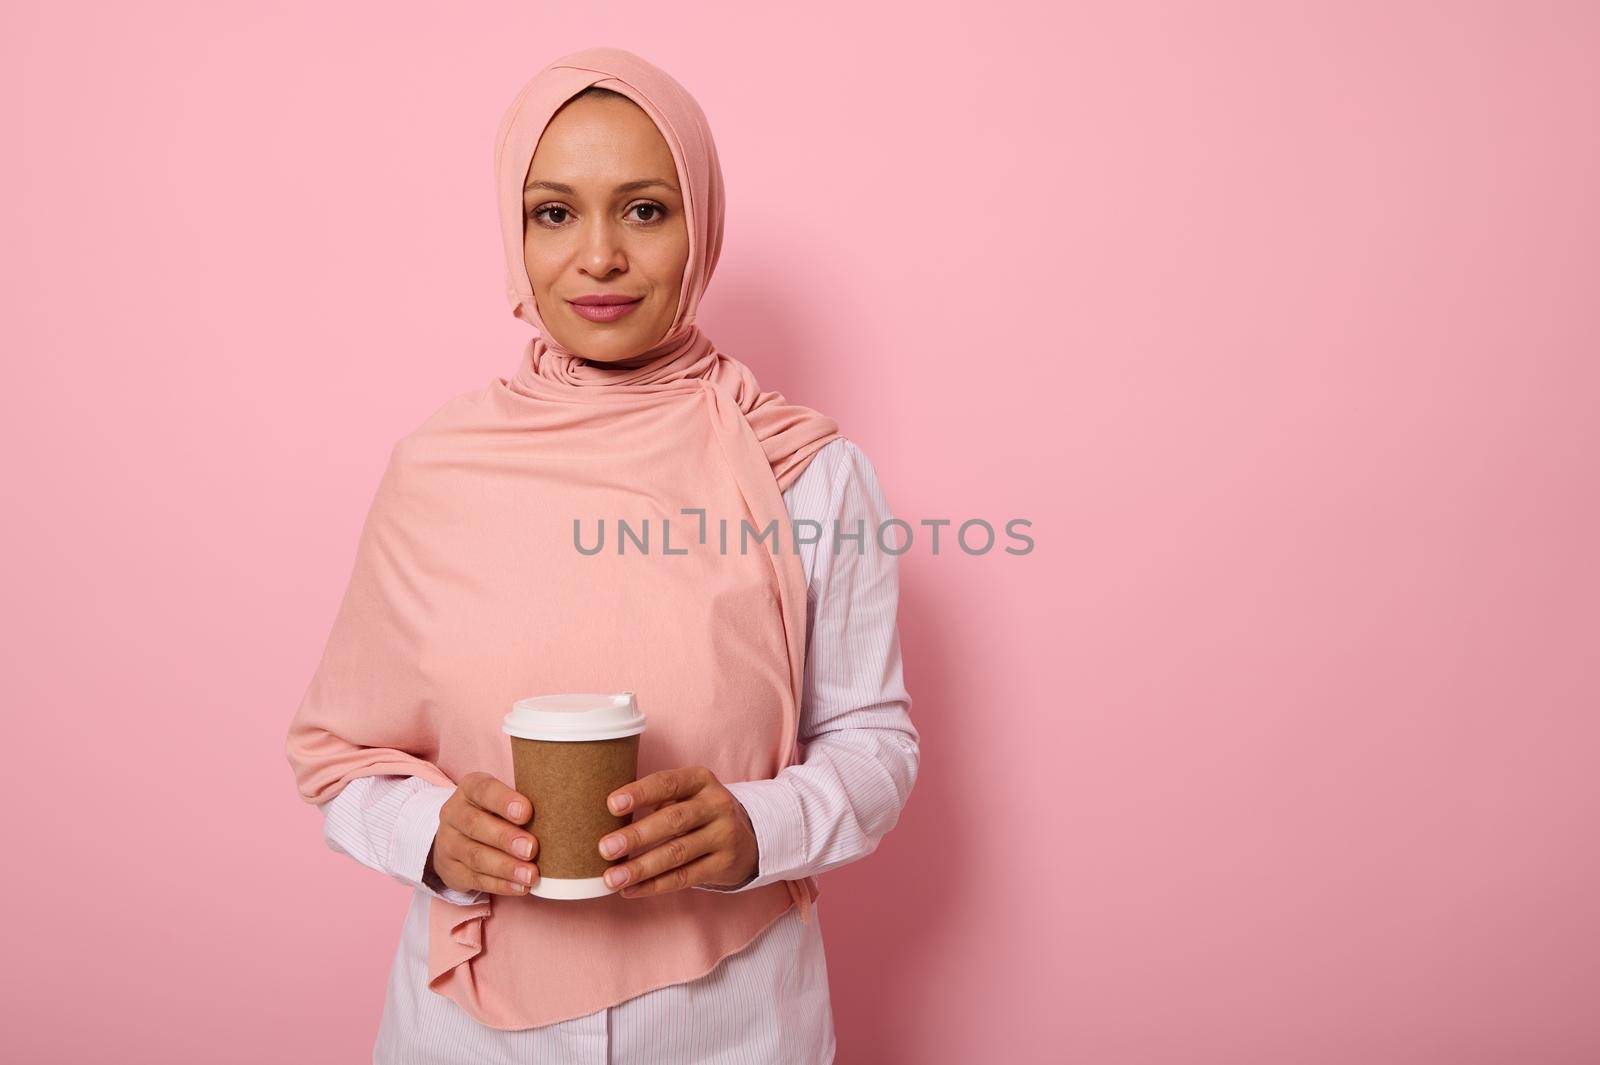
(604,312)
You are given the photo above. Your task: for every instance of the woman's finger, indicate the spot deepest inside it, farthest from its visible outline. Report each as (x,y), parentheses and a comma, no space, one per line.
(488,860)
(662,785)
(489,793)
(485,827)
(663,861)
(480,881)
(676,818)
(700,871)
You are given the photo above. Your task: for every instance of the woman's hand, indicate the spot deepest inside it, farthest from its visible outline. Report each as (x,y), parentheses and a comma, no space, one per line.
(700,834)
(478,842)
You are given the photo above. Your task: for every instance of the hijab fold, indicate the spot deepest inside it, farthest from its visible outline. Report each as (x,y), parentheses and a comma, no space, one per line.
(468,592)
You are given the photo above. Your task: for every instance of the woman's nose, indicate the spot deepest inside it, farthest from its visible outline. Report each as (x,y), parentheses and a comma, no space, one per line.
(602,250)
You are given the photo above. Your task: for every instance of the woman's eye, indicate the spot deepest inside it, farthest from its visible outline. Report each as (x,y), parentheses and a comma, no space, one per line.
(553,215)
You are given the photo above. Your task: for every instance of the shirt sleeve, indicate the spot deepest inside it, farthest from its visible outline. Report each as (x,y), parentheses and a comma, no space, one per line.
(388,822)
(860,750)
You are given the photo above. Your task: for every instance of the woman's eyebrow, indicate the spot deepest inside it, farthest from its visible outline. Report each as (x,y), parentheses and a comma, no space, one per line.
(568,190)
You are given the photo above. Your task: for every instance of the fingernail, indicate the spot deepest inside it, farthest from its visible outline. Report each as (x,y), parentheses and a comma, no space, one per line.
(611,846)
(620,803)
(525,847)
(517,810)
(616,876)
(525,875)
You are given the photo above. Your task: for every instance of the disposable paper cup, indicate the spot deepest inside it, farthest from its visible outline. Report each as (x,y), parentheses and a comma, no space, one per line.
(571,752)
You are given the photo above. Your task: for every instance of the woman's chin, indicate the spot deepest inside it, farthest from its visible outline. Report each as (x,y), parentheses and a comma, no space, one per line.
(607,352)
(599,342)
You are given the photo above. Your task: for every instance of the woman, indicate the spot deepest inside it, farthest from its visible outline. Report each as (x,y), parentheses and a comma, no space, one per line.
(778,741)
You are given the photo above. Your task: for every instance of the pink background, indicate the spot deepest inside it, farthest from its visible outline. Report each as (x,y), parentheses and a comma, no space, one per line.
(1277,321)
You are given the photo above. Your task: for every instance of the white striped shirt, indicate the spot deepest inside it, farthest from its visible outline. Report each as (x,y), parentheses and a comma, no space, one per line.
(768,1002)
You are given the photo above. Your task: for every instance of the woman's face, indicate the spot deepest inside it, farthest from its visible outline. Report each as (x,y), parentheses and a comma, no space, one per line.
(603,216)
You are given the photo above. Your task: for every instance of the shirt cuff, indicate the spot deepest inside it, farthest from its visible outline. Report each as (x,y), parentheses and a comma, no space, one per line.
(414,832)
(780,827)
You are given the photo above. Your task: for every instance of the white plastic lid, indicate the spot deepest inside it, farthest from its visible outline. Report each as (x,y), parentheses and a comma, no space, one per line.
(575,716)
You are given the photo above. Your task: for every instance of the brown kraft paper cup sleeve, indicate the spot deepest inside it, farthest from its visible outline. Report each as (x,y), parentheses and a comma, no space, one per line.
(568,784)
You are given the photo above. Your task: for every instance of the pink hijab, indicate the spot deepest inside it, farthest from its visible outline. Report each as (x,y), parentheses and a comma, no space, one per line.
(468,592)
